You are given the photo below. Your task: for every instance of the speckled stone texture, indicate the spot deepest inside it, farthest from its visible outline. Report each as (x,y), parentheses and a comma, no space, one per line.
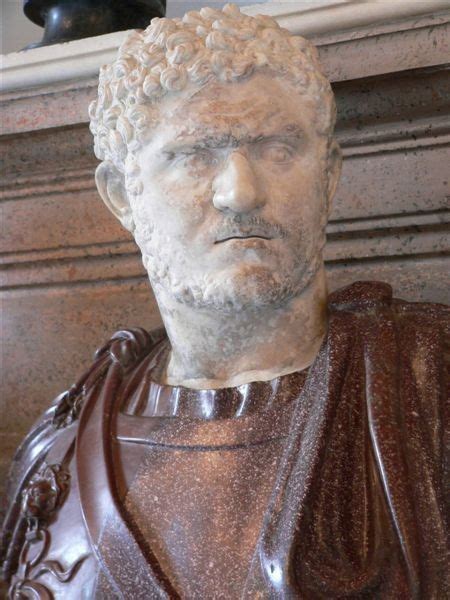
(321,484)
(70,275)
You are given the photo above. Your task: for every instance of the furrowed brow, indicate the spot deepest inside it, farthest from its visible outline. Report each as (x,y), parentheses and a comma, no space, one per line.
(288,131)
(219,140)
(227,140)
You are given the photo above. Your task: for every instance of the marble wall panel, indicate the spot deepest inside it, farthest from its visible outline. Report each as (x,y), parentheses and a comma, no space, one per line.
(44,323)
(62,218)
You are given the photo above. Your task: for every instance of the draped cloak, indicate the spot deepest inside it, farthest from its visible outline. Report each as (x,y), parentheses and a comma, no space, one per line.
(355,506)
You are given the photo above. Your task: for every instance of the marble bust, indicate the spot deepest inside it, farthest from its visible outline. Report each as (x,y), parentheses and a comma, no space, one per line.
(270,441)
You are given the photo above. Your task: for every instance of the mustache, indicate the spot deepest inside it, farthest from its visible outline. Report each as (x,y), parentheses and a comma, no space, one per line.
(242,226)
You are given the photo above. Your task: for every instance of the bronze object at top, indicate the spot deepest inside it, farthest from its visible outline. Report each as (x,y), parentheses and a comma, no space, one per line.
(67,20)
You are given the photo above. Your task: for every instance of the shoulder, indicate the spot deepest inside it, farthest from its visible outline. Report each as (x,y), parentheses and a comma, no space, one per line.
(57,427)
(377,296)
(369,310)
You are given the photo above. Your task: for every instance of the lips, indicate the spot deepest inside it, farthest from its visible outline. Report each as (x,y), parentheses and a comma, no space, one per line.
(243,237)
(251,229)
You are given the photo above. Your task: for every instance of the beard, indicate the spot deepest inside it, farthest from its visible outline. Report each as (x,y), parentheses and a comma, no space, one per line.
(234,288)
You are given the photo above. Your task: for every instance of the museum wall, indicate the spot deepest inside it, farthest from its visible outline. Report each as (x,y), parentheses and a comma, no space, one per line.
(70,276)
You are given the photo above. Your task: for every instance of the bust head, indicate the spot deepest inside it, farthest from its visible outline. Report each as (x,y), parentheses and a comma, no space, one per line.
(216,136)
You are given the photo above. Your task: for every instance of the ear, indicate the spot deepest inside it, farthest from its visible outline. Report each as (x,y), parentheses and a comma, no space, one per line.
(333,170)
(111,187)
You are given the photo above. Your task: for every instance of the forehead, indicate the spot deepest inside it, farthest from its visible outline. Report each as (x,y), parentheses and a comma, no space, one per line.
(258,105)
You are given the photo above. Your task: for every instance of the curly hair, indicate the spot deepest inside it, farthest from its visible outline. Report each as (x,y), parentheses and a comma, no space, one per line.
(223,45)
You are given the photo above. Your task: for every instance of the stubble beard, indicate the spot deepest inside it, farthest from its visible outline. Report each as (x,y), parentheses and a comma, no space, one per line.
(253,287)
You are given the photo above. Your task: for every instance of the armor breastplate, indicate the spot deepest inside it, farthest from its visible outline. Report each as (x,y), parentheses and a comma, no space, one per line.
(336,506)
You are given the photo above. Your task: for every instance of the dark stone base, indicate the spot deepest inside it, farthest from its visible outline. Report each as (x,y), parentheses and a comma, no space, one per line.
(67,20)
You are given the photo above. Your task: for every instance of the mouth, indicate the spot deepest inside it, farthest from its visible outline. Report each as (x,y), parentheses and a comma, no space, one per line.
(242,237)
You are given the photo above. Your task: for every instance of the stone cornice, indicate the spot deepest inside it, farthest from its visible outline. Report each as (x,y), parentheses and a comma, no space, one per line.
(317,17)
(81,59)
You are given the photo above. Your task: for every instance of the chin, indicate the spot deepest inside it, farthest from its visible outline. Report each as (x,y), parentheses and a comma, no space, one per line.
(258,285)
(255,288)
(236,288)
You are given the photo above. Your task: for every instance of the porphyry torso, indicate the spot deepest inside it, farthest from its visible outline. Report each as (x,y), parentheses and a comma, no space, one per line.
(328,485)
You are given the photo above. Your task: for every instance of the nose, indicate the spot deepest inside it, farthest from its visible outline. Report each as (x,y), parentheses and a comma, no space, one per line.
(235,186)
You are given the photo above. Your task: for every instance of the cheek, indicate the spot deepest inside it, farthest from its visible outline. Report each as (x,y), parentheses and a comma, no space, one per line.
(295,196)
(172,203)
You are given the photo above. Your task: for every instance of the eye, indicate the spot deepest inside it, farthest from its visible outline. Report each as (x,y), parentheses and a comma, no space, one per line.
(276,152)
(205,158)
(196,158)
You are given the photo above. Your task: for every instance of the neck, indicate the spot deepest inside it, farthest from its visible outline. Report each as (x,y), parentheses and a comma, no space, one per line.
(211,349)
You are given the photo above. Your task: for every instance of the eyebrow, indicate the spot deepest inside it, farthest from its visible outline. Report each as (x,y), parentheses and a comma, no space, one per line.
(225,139)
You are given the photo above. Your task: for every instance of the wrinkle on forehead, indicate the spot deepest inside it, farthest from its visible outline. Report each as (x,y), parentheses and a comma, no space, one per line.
(232,113)
(246,97)
(222,106)
(203,123)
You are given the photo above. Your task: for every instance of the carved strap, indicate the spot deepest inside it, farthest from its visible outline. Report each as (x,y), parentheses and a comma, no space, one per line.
(130,568)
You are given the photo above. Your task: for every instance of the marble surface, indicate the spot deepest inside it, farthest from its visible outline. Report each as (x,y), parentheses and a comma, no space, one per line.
(227,195)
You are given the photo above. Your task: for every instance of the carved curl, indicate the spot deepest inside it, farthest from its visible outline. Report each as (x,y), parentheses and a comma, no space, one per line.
(222,45)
